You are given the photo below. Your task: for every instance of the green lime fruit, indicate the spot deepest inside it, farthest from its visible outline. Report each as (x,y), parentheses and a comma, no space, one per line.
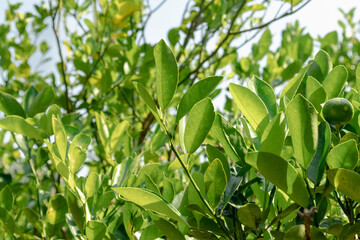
(338,111)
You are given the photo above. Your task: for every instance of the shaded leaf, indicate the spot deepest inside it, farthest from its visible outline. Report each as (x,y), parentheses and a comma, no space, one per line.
(343,155)
(169,230)
(249,215)
(10,106)
(215,182)
(346,181)
(42,101)
(95,230)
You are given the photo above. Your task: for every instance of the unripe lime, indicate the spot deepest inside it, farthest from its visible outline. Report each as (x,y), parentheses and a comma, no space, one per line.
(338,111)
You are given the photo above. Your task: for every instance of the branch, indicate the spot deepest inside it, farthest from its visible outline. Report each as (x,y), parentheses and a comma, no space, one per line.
(271,21)
(62,63)
(218,46)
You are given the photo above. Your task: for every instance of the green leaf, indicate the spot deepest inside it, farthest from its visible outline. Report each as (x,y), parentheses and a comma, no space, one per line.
(55,214)
(6,198)
(116,135)
(293,85)
(19,125)
(149,101)
(104,200)
(230,139)
(266,93)
(151,232)
(315,93)
(298,233)
(249,215)
(346,181)
(10,106)
(281,174)
(334,83)
(168,191)
(215,182)
(42,101)
(95,230)
(358,77)
(251,106)
(273,137)
(214,153)
(102,129)
(60,137)
(33,217)
(76,209)
(343,155)
(263,45)
(92,185)
(167,74)
(150,201)
(29,98)
(324,61)
(8,222)
(302,122)
(198,125)
(77,151)
(315,170)
(195,93)
(286,212)
(169,230)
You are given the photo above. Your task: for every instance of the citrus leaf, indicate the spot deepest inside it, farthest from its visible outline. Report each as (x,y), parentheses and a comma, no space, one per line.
(343,155)
(334,82)
(281,174)
(249,215)
(77,151)
(298,233)
(198,125)
(251,106)
(150,201)
(60,137)
(19,125)
(346,181)
(169,230)
(195,93)
(167,74)
(324,61)
(95,230)
(215,182)
(302,122)
(273,137)
(10,106)
(42,101)
(149,101)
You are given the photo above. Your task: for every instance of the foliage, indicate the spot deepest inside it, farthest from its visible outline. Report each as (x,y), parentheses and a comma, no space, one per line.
(123,141)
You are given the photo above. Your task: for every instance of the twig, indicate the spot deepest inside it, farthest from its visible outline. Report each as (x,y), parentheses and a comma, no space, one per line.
(271,21)
(306,217)
(62,63)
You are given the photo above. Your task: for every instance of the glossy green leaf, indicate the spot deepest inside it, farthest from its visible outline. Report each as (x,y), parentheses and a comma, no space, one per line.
(42,101)
(281,174)
(168,191)
(195,93)
(60,137)
(6,198)
(104,200)
(151,232)
(116,135)
(169,230)
(315,71)
(149,101)
(315,93)
(293,85)
(251,106)
(55,214)
(249,215)
(102,129)
(343,155)
(266,93)
(346,181)
(274,134)
(214,153)
(150,201)
(167,74)
(230,139)
(10,106)
(215,182)
(315,170)
(7,220)
(286,212)
(19,125)
(95,230)
(303,126)
(334,83)
(198,125)
(298,233)
(263,46)
(77,151)
(92,185)
(324,61)
(29,98)
(76,209)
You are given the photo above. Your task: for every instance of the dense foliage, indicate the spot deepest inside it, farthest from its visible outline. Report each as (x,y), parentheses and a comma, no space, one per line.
(122,141)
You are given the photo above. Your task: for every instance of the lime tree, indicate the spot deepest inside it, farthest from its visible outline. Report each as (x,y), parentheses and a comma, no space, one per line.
(338,111)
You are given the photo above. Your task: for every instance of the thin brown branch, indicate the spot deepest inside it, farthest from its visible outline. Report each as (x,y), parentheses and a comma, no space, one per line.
(271,21)
(62,63)
(196,70)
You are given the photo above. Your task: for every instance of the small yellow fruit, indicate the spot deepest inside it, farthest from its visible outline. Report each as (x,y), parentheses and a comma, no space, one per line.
(338,111)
